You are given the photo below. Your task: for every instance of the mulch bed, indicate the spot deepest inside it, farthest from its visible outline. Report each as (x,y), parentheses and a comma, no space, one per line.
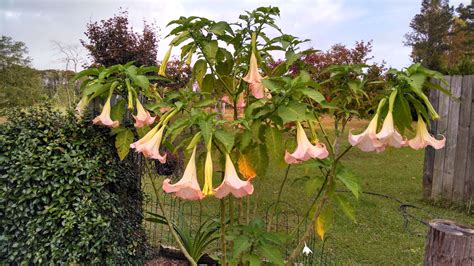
(168,256)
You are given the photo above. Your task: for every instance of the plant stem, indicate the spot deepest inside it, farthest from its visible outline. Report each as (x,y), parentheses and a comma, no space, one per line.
(312,204)
(272,213)
(307,233)
(170,226)
(223,244)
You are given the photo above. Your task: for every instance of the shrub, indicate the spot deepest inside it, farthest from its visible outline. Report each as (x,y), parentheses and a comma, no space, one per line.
(64,195)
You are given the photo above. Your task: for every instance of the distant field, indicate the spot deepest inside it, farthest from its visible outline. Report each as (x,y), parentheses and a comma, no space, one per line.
(379,237)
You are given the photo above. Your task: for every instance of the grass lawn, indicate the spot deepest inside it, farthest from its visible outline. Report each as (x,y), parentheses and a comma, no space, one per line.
(380,236)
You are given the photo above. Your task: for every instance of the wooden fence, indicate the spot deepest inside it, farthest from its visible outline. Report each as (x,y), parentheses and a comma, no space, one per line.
(449,172)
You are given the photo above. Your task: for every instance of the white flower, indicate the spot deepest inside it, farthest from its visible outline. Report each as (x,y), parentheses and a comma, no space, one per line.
(306,250)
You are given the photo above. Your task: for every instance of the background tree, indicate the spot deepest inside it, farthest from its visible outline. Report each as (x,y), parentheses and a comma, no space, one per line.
(20,85)
(431,29)
(113,41)
(459,58)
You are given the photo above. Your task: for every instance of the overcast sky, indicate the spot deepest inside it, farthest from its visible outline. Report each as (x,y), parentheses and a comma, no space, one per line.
(325,22)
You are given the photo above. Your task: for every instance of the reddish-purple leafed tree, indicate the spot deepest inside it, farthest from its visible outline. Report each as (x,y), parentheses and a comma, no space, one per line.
(113,41)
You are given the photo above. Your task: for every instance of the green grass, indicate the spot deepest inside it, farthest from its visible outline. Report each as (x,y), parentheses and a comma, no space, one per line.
(379,237)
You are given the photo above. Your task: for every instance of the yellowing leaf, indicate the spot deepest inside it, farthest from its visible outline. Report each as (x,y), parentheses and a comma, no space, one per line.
(245,168)
(323,222)
(320,227)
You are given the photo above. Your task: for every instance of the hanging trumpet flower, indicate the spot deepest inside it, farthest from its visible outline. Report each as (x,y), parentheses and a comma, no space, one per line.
(367,140)
(149,145)
(423,137)
(143,117)
(187,187)
(305,150)
(253,77)
(104,117)
(388,135)
(232,183)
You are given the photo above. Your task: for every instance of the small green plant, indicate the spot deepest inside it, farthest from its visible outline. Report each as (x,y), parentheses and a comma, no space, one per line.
(252,242)
(195,243)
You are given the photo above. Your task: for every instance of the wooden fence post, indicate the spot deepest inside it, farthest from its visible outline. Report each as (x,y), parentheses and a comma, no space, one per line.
(449,244)
(448,173)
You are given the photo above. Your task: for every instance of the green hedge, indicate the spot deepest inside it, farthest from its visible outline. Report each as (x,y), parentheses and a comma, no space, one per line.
(64,195)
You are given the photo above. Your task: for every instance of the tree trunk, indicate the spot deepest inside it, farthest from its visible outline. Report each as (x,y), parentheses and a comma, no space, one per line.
(449,243)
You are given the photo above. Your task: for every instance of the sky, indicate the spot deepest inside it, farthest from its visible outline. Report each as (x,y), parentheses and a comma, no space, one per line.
(39,23)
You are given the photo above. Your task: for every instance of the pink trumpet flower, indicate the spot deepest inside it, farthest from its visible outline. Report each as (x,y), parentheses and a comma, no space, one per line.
(367,140)
(143,117)
(104,117)
(305,150)
(149,145)
(254,79)
(232,183)
(423,138)
(188,187)
(389,135)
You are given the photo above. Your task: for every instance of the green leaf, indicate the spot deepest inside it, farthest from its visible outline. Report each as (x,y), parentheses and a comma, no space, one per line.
(275,144)
(86,72)
(313,94)
(416,82)
(292,112)
(122,142)
(259,157)
(118,110)
(252,259)
(208,84)
(346,206)
(141,81)
(219,28)
(245,140)
(350,181)
(206,129)
(273,254)
(226,138)
(205,103)
(241,244)
(92,88)
(401,113)
(199,70)
(210,49)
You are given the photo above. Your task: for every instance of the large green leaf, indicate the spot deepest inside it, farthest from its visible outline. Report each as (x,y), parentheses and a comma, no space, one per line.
(225,138)
(273,254)
(206,129)
(208,84)
(219,27)
(118,110)
(199,70)
(274,143)
(122,142)
(141,81)
(350,181)
(313,94)
(346,206)
(293,112)
(210,49)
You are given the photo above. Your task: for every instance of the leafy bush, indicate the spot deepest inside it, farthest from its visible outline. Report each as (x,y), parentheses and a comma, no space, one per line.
(64,195)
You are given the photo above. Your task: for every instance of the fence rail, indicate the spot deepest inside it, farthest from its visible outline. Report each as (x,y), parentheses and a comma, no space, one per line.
(449,172)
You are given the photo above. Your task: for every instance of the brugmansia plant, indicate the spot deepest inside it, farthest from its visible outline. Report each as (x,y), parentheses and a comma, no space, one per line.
(230,64)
